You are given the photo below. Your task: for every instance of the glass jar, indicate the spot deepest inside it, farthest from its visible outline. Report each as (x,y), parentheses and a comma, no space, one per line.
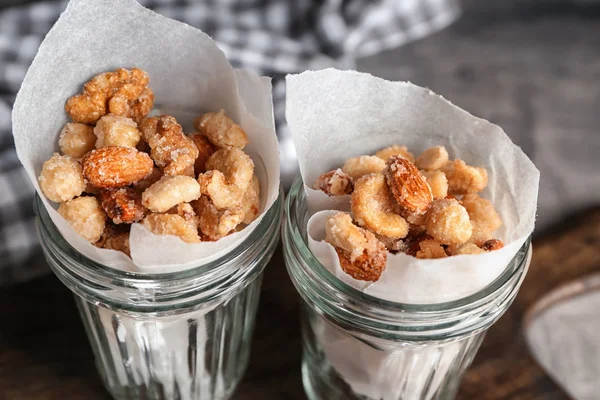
(356,346)
(182,335)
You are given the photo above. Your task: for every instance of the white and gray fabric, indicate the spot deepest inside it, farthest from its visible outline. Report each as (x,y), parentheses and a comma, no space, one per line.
(272,37)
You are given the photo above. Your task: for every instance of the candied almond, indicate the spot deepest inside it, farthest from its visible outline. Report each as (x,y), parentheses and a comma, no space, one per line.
(86,217)
(448,222)
(221,130)
(116,166)
(433,158)
(395,150)
(76,139)
(366,267)
(373,207)
(408,185)
(61,178)
(122,205)
(463,178)
(334,183)
(356,167)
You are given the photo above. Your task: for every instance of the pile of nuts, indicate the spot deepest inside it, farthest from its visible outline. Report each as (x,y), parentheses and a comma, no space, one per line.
(118,167)
(426,207)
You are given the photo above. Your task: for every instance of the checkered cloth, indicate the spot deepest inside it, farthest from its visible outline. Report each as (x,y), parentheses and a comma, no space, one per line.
(272,37)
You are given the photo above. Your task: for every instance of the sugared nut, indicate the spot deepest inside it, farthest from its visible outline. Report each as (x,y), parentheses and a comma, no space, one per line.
(438,183)
(61,178)
(122,205)
(149,180)
(115,237)
(76,139)
(334,183)
(86,217)
(483,215)
(356,167)
(205,150)
(111,167)
(493,244)
(115,130)
(221,130)
(170,191)
(431,248)
(251,201)
(214,223)
(433,158)
(408,185)
(465,248)
(463,178)
(395,150)
(361,255)
(448,222)
(172,224)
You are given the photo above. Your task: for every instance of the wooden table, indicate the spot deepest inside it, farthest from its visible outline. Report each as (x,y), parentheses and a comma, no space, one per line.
(44,353)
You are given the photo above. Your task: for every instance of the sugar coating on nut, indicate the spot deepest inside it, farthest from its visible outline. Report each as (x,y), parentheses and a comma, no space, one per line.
(361,255)
(215,223)
(76,139)
(115,130)
(408,185)
(170,191)
(438,183)
(492,244)
(172,224)
(356,167)
(122,205)
(229,175)
(121,92)
(395,150)
(373,207)
(433,158)
(251,201)
(172,151)
(61,178)
(221,130)
(465,248)
(463,178)
(483,215)
(115,238)
(205,150)
(431,248)
(448,222)
(116,166)
(86,217)
(334,183)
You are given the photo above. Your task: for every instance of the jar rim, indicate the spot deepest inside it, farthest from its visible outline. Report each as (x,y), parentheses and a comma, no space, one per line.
(327,279)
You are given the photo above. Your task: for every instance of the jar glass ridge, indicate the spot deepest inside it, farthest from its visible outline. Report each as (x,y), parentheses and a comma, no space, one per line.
(183,334)
(356,346)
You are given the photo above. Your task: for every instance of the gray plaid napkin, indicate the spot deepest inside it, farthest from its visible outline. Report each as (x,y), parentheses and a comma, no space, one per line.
(272,37)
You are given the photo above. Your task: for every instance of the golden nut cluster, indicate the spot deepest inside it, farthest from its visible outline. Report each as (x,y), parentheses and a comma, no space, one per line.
(426,207)
(118,167)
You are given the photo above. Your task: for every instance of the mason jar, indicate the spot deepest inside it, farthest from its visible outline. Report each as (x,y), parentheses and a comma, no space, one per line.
(181,335)
(356,346)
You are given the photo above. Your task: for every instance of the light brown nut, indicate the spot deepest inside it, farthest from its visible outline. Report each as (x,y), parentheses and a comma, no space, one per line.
(408,185)
(433,158)
(173,152)
(115,237)
(121,92)
(361,255)
(448,222)
(395,150)
(148,181)
(373,207)
(122,205)
(356,167)
(229,176)
(465,248)
(251,201)
(205,150)
(463,178)
(431,248)
(170,191)
(111,167)
(214,223)
(438,183)
(86,217)
(481,212)
(493,244)
(115,130)
(76,139)
(172,224)
(334,183)
(221,130)
(61,178)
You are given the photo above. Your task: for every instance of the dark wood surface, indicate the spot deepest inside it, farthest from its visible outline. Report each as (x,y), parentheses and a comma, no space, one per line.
(44,353)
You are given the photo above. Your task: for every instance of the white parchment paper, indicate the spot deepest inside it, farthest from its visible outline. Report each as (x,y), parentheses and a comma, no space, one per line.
(188,74)
(334,115)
